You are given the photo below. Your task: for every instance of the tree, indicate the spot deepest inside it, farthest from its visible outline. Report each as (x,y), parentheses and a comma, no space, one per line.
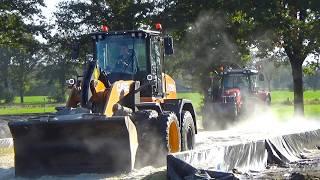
(76,18)
(204,39)
(293,27)
(23,61)
(57,65)
(5,86)
(207,45)
(312,73)
(17,28)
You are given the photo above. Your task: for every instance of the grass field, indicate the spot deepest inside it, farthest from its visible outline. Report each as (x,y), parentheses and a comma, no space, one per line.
(32,100)
(310,97)
(25,109)
(196,99)
(280,104)
(32,104)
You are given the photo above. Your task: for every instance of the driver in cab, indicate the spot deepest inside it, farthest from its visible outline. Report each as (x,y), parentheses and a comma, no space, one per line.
(126,61)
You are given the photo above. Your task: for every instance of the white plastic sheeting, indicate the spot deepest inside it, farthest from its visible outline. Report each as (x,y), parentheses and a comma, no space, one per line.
(249,152)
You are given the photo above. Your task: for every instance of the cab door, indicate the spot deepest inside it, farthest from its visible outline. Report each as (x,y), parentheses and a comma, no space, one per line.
(155,66)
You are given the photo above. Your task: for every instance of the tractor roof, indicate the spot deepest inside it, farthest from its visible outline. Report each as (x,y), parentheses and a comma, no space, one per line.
(241,71)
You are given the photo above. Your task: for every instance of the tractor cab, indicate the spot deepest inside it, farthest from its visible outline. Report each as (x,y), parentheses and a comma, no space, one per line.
(244,80)
(233,92)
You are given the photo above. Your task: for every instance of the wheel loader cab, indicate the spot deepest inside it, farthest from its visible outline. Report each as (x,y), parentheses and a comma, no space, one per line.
(131,55)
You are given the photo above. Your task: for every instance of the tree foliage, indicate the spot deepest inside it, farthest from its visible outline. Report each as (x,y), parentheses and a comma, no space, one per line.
(207,34)
(292,27)
(19,24)
(76,17)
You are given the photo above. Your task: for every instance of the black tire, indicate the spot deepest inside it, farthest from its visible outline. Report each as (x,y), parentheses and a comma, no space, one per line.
(234,114)
(187,131)
(154,138)
(145,121)
(211,119)
(207,114)
(268,100)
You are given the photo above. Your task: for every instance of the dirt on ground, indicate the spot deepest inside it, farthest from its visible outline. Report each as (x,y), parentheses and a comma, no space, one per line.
(307,168)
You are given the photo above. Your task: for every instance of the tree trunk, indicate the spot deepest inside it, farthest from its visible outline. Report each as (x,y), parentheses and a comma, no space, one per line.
(21,93)
(269,85)
(296,67)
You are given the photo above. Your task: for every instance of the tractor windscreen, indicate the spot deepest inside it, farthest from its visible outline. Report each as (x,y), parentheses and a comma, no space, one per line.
(236,81)
(121,54)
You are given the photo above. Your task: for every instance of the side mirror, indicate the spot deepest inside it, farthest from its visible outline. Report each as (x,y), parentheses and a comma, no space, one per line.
(168,45)
(70,82)
(75,50)
(261,77)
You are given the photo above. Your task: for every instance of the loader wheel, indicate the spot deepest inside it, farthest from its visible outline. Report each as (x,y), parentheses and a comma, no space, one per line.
(169,129)
(157,136)
(145,121)
(187,131)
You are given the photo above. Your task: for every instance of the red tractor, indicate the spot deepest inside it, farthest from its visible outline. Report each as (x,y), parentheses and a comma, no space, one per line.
(233,92)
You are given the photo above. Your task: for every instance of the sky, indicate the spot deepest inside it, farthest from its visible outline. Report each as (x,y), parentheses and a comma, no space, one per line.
(48,11)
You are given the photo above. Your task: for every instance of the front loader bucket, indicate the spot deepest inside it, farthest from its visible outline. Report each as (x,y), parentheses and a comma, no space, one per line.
(93,144)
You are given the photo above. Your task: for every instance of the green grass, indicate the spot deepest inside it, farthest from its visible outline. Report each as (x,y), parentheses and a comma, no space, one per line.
(25,109)
(282,96)
(196,99)
(312,110)
(285,111)
(32,100)
(34,104)
(278,97)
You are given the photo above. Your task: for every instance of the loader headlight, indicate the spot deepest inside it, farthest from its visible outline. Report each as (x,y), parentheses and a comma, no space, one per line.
(149,77)
(70,82)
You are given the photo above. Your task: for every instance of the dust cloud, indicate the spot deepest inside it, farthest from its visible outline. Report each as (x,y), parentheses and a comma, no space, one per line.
(264,119)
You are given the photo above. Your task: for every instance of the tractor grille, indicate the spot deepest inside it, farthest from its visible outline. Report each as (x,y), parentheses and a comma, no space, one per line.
(227,99)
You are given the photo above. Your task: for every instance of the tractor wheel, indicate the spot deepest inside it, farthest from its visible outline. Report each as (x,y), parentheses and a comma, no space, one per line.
(235,114)
(187,131)
(268,100)
(208,117)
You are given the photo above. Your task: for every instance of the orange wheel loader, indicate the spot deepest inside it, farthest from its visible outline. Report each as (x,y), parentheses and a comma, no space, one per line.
(122,113)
